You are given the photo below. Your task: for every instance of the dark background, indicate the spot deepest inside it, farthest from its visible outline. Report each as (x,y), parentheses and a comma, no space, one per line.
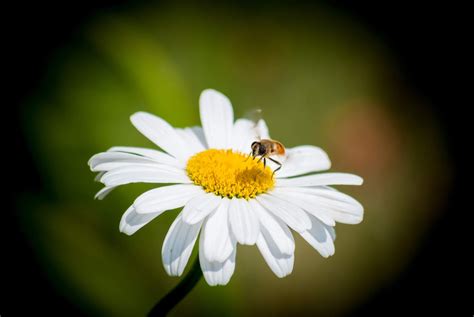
(428,40)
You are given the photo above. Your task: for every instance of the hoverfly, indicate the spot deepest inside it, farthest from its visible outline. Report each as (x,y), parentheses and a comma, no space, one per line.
(266,147)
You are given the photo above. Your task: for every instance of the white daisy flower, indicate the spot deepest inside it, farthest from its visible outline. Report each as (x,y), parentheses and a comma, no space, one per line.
(227,197)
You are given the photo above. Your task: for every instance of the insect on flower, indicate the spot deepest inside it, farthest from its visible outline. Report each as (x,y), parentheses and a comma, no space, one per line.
(266,147)
(227,199)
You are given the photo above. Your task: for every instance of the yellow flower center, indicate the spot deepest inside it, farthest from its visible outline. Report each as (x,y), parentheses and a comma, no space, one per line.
(229,174)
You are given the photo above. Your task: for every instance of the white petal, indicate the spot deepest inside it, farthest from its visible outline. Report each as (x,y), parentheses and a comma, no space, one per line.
(217,118)
(144,174)
(199,132)
(192,141)
(302,160)
(178,245)
(106,161)
(217,273)
(157,156)
(200,207)
(103,192)
(243,221)
(132,221)
(161,133)
(298,200)
(339,206)
(324,191)
(217,241)
(291,214)
(322,187)
(243,134)
(332,232)
(320,237)
(165,198)
(321,179)
(262,129)
(281,264)
(280,232)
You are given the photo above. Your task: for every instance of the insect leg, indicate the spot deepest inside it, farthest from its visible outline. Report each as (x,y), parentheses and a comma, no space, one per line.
(276,162)
(264,162)
(250,155)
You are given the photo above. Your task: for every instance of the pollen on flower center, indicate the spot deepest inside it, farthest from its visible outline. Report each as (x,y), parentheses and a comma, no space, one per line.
(229,174)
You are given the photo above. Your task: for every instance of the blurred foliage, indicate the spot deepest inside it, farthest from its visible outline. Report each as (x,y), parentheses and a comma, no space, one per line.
(319,77)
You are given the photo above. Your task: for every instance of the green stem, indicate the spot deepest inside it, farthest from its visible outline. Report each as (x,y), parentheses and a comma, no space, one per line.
(167,303)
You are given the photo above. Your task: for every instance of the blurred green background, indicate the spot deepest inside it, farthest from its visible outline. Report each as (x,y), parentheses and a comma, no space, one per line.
(320,78)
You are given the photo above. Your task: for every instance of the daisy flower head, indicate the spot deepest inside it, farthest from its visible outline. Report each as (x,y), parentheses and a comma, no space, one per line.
(228,196)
